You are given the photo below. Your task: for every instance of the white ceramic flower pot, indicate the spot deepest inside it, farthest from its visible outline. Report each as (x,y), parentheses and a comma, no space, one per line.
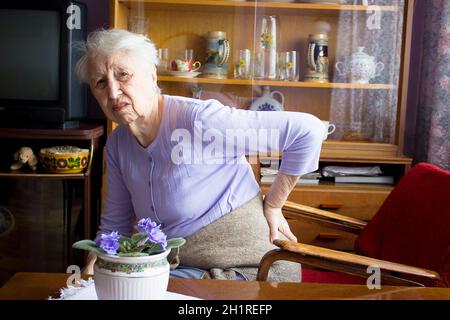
(132,278)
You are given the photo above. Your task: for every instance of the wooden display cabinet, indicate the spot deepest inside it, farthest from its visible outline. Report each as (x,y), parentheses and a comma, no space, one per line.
(181,24)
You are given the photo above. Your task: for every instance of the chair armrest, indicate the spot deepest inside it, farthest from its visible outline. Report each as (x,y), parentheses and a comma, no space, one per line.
(341,262)
(294,210)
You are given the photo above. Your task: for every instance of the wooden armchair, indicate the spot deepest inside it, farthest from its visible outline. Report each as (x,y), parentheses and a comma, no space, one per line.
(408,239)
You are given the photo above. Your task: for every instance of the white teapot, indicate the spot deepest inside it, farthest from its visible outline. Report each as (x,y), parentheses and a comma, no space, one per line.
(267,101)
(360,66)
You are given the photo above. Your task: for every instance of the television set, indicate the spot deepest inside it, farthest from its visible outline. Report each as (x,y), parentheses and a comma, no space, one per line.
(38,87)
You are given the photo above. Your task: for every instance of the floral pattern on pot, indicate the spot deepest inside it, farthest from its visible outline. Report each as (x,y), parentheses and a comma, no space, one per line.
(64,159)
(69,164)
(130,267)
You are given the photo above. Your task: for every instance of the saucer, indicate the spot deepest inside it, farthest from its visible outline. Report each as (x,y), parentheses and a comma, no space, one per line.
(184,74)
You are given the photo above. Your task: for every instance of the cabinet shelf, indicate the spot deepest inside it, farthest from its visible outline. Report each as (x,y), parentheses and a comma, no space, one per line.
(84,131)
(358,152)
(250,6)
(352,187)
(274,83)
(40,175)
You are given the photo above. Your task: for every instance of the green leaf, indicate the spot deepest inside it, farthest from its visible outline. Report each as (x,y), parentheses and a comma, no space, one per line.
(125,244)
(88,245)
(175,243)
(154,248)
(141,248)
(132,254)
(123,239)
(128,247)
(137,237)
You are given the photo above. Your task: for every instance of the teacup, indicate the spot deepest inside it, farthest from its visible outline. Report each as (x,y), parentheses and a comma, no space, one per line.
(186,65)
(329,128)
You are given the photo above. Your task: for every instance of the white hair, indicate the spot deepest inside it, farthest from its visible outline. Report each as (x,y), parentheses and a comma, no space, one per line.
(112,41)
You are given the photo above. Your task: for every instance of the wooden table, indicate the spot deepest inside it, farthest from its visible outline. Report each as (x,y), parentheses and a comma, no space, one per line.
(36,286)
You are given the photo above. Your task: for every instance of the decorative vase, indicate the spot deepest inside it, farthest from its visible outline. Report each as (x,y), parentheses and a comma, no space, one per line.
(267,101)
(131,278)
(266,55)
(317,57)
(360,66)
(217,51)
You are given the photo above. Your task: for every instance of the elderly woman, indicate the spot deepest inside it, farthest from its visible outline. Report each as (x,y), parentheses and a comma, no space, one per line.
(176,160)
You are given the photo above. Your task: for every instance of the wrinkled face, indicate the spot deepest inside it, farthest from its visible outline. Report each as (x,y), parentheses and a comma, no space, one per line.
(123,87)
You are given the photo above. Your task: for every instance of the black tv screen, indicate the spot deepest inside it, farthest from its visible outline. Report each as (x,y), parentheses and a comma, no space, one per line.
(38,87)
(31,56)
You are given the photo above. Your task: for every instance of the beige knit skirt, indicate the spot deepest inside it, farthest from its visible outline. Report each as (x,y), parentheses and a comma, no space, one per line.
(236,243)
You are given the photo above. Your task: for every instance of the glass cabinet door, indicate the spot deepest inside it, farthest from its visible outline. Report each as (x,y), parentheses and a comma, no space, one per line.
(340,60)
(344,61)
(368,52)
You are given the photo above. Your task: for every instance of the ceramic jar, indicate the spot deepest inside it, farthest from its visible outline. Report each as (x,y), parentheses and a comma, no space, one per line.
(360,67)
(217,51)
(317,58)
(268,102)
(131,278)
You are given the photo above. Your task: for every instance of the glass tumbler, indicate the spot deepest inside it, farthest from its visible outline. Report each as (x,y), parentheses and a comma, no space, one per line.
(164,60)
(291,69)
(281,65)
(243,64)
(187,54)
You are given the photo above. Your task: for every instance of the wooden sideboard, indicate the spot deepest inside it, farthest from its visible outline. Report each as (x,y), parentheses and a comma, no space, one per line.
(36,223)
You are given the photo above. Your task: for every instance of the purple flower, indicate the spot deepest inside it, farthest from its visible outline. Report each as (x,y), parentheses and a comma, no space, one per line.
(146,224)
(153,231)
(109,242)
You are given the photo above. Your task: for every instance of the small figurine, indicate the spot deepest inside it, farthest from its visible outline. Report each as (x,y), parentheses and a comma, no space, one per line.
(24,156)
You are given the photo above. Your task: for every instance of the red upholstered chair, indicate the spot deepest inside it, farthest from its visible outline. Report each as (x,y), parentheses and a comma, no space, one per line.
(408,238)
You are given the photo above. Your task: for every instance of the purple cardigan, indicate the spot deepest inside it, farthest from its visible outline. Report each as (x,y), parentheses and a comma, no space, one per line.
(195,171)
